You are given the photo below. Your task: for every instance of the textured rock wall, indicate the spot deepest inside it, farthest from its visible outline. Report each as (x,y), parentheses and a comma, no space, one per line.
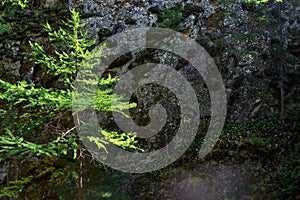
(244,50)
(242,47)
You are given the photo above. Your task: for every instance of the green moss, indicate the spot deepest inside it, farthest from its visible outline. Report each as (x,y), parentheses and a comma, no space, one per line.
(5,28)
(171,18)
(284,182)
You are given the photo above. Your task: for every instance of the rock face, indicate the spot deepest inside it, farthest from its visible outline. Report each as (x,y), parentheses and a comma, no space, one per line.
(27,26)
(246,43)
(256,49)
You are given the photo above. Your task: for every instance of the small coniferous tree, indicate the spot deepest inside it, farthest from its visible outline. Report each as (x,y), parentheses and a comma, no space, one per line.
(21,3)
(31,118)
(260,1)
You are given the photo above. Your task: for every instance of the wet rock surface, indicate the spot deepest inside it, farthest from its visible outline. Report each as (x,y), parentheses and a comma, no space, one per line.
(201,180)
(213,180)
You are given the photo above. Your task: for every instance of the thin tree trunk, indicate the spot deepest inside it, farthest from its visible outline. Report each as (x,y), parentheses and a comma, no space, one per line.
(80,182)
